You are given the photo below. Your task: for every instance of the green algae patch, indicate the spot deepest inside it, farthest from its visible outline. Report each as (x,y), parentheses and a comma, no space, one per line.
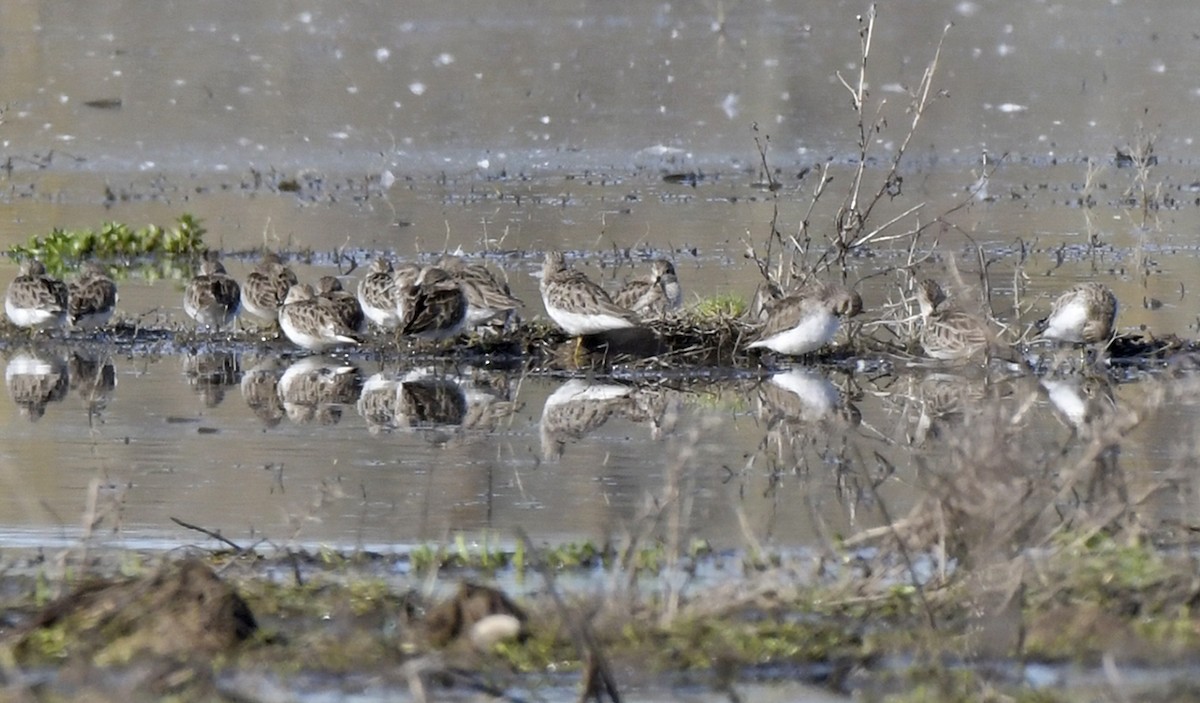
(61,250)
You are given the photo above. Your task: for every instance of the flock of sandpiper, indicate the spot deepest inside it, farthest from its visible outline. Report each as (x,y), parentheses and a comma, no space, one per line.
(454,296)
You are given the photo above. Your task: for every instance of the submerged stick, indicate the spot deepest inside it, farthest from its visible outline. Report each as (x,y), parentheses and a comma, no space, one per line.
(215,535)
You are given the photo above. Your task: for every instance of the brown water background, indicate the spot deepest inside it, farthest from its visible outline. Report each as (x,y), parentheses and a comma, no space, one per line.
(517,126)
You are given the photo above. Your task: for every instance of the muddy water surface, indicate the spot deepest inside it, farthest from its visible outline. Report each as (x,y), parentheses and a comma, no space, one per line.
(523,126)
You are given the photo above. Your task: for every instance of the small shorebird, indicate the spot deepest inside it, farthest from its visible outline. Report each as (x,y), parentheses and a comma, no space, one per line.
(266,286)
(344,303)
(35,299)
(91,297)
(378,294)
(947,333)
(435,307)
(212,298)
(487,298)
(1082,315)
(576,304)
(313,323)
(806,320)
(654,295)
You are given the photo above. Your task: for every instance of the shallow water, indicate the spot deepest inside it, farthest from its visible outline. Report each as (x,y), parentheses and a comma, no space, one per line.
(506,129)
(521,126)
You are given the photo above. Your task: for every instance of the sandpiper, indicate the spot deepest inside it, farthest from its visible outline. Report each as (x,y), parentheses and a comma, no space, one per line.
(806,320)
(345,303)
(212,298)
(655,295)
(576,304)
(313,323)
(435,307)
(378,294)
(947,333)
(266,286)
(1083,315)
(91,297)
(35,299)
(487,298)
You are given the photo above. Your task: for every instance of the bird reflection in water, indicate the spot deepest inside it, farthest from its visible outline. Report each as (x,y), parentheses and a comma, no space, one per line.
(94,379)
(802,408)
(317,389)
(35,378)
(425,399)
(260,390)
(209,373)
(577,408)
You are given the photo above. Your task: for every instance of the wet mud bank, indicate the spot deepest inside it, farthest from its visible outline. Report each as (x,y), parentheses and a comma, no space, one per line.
(252,626)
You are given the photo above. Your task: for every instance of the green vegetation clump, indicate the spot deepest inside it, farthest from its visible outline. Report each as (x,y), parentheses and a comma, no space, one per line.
(62,249)
(720,307)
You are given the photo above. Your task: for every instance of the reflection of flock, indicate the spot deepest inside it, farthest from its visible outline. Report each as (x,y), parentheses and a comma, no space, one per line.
(35,379)
(798,408)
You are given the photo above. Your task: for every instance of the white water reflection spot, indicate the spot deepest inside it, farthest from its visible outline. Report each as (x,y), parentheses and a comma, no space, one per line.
(416,88)
(731,105)
(382,54)
(444,59)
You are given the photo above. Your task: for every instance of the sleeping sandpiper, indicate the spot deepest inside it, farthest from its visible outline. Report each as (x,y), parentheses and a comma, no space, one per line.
(36,300)
(378,294)
(1083,315)
(435,307)
(806,320)
(487,298)
(344,303)
(212,298)
(947,333)
(266,286)
(653,296)
(313,323)
(576,304)
(92,297)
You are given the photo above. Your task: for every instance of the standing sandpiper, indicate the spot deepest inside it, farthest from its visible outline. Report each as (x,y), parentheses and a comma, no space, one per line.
(344,303)
(436,306)
(655,295)
(313,323)
(576,304)
(266,286)
(947,333)
(92,297)
(806,320)
(487,298)
(378,294)
(35,299)
(212,298)
(1083,315)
